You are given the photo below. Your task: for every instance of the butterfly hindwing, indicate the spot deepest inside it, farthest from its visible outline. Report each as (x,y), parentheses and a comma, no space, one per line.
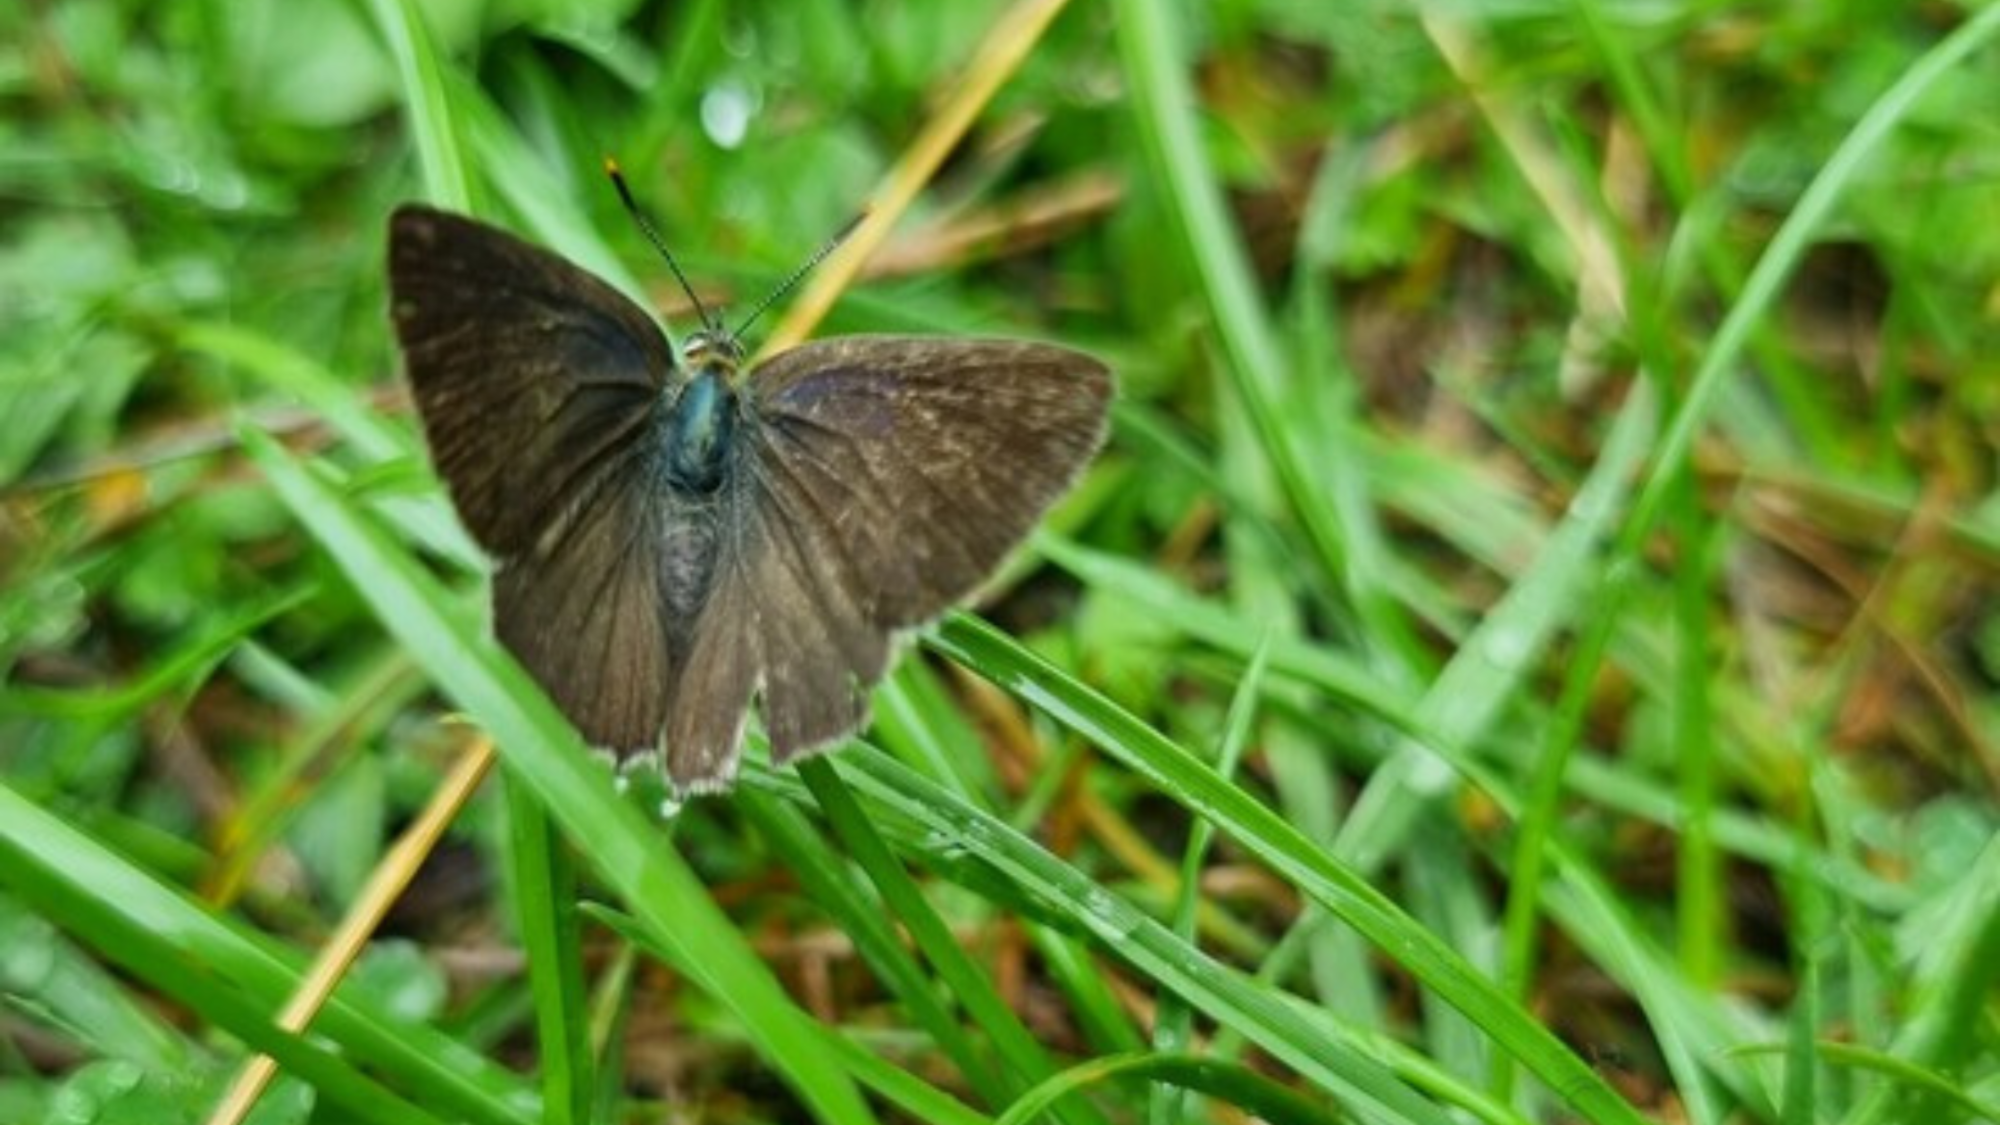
(586,613)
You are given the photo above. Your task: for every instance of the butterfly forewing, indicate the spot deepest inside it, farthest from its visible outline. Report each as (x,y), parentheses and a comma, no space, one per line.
(532,376)
(880,480)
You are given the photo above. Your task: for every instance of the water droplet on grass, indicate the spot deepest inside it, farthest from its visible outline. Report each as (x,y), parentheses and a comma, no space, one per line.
(28,966)
(1110,916)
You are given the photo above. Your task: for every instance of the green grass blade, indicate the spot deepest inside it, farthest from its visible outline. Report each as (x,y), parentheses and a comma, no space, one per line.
(916,1097)
(432,123)
(1339,1065)
(810,859)
(43,972)
(1173,1025)
(1787,248)
(176,946)
(965,982)
(544,883)
(1196,786)
(1256,364)
(1233,1085)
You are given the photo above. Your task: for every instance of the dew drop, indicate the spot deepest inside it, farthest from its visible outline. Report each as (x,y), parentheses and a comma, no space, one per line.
(71,1106)
(1506,649)
(120,1076)
(1110,916)
(726,110)
(27,967)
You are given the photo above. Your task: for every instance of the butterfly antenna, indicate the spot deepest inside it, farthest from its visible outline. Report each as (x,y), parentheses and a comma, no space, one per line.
(818,256)
(632,207)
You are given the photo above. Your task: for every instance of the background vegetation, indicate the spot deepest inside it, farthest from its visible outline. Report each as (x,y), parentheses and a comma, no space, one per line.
(1530,647)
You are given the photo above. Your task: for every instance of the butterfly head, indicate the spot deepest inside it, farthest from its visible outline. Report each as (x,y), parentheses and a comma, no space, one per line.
(714,348)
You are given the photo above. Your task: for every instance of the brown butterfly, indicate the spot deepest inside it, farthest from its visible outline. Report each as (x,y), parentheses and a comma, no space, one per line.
(672,541)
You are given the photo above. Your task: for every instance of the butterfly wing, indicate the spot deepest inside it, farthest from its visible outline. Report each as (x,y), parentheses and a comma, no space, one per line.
(531,375)
(881,480)
(587,615)
(537,385)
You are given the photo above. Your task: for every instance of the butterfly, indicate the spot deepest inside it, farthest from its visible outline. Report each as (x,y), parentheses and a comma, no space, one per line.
(673,540)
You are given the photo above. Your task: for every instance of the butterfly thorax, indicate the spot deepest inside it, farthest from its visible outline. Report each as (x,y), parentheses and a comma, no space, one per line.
(697,437)
(701,423)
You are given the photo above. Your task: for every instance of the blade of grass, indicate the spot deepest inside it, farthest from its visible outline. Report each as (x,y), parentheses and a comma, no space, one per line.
(1316,665)
(972,988)
(284,369)
(809,858)
(176,673)
(1563,733)
(1695,1028)
(363,701)
(611,1018)
(921,1100)
(1775,266)
(1912,1078)
(174,945)
(999,55)
(1952,987)
(391,877)
(1233,1085)
(47,974)
(1173,1025)
(1332,404)
(1489,667)
(1337,1063)
(1667,147)
(1810,949)
(1191,783)
(543,879)
(432,122)
(1700,882)
(537,194)
(935,738)
(1257,368)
